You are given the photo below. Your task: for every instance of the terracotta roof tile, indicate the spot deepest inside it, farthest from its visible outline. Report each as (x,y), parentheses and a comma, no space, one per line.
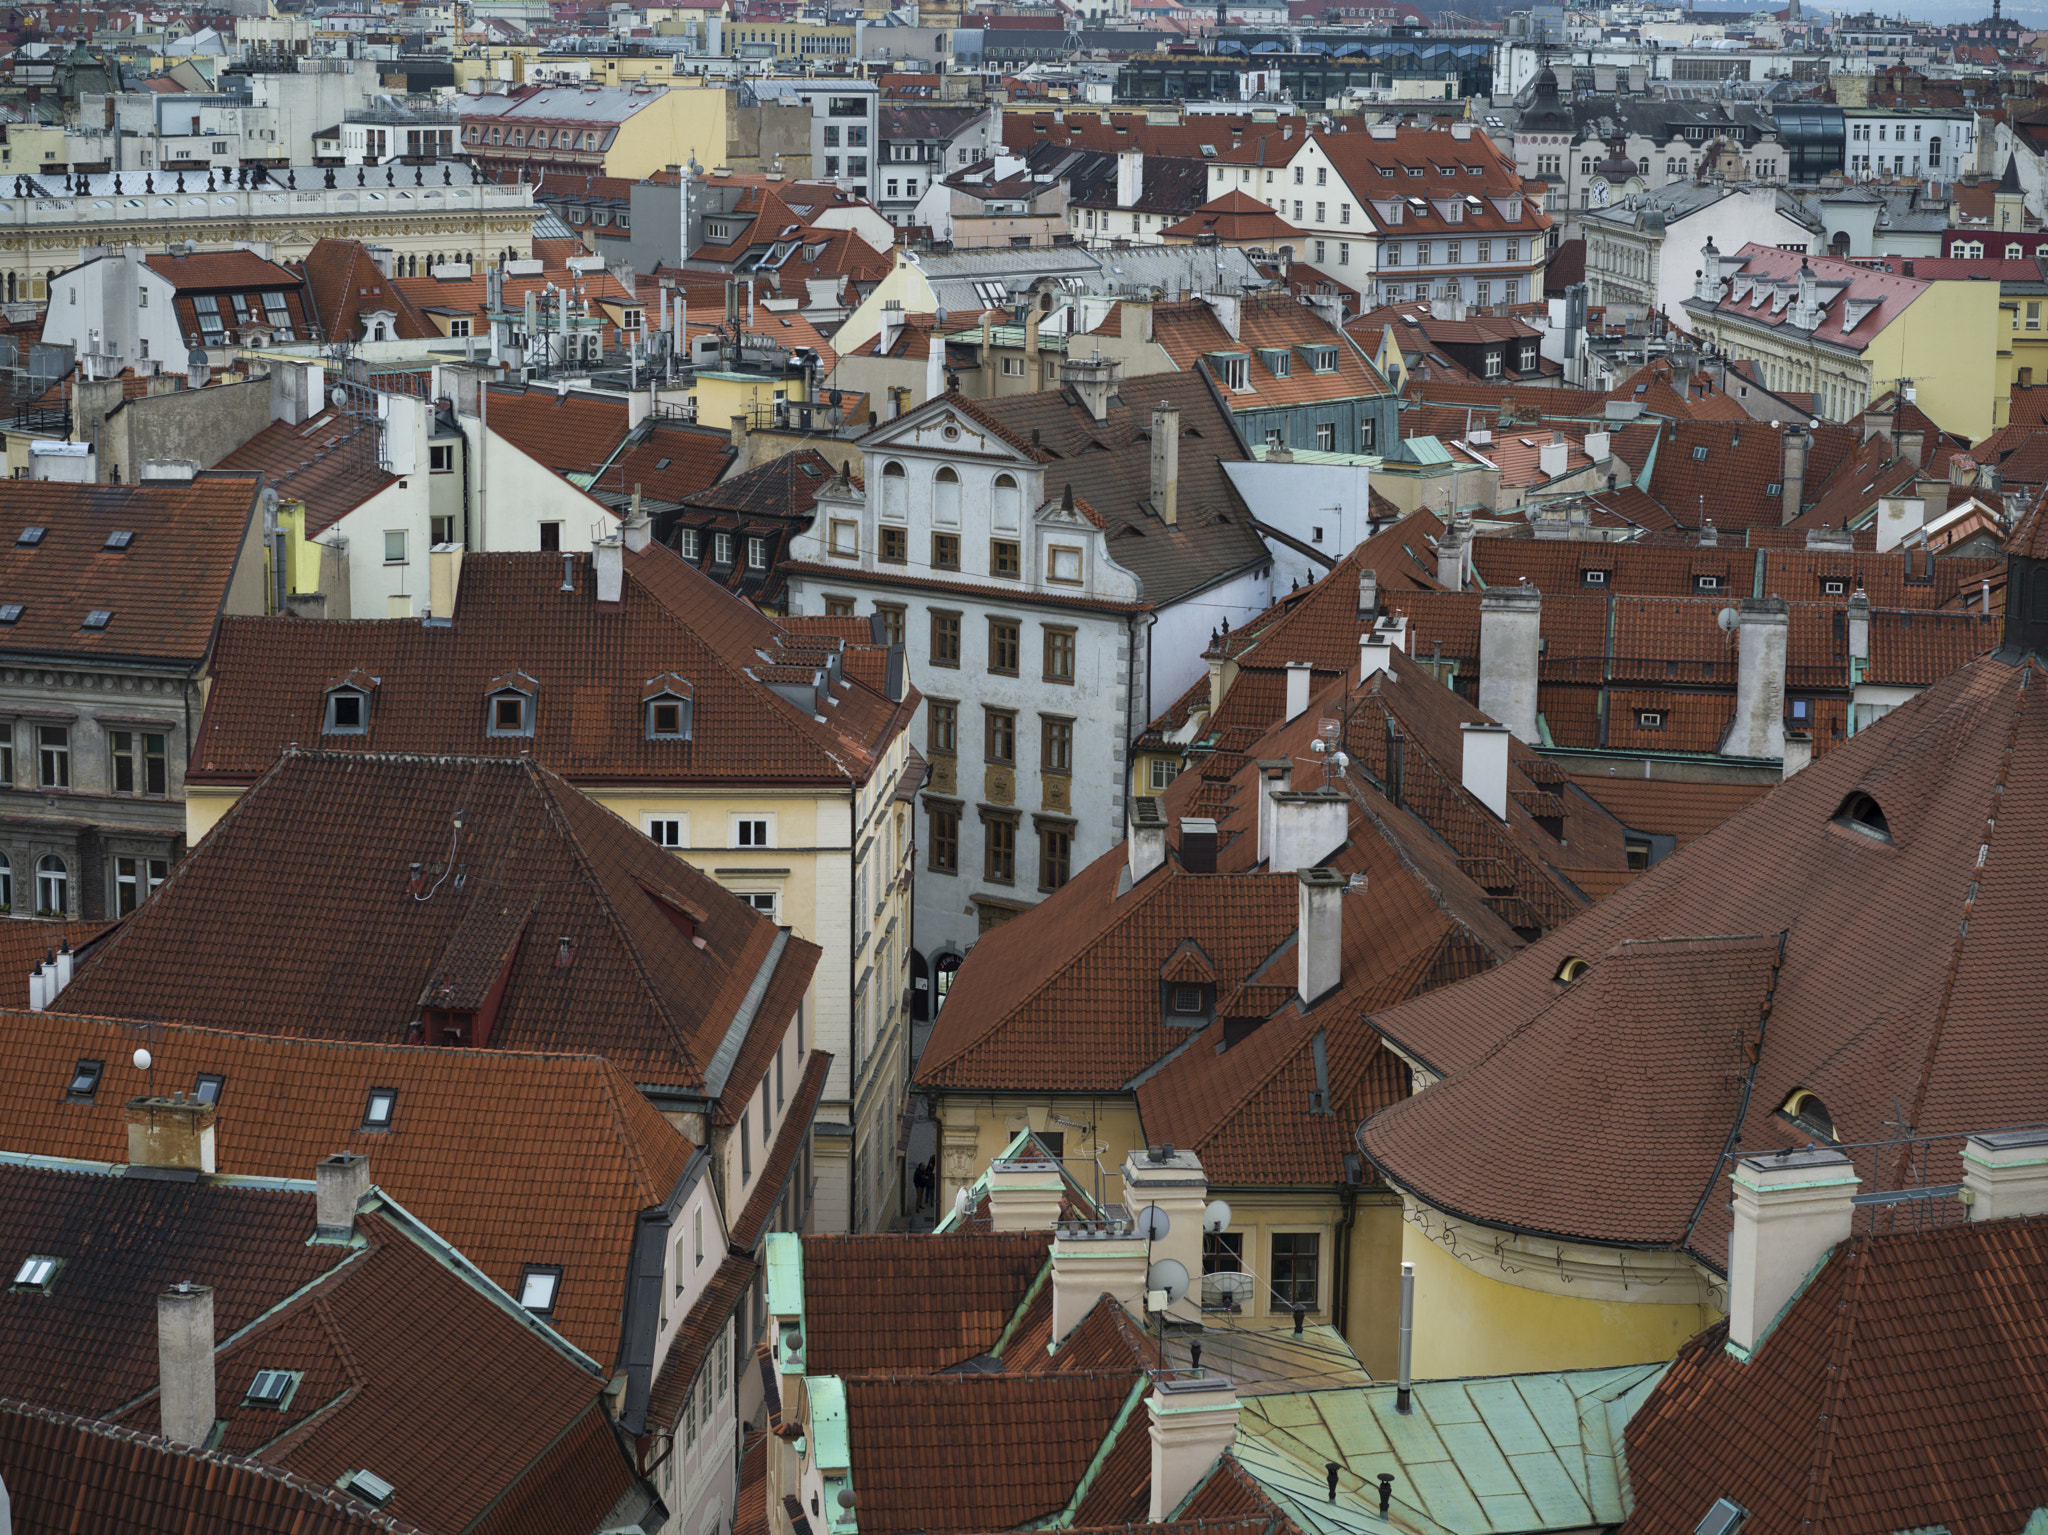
(319,461)
(571,433)
(668,461)
(890,1304)
(1667,806)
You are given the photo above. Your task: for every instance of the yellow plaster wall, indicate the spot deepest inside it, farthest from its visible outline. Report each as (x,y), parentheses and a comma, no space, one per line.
(1947,342)
(1468,1324)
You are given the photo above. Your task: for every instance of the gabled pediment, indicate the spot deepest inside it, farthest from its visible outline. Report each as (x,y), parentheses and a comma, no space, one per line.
(940,426)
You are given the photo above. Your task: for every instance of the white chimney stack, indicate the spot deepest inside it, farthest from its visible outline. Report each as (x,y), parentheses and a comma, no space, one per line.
(1319,934)
(1145,840)
(38,989)
(1130,177)
(1758,729)
(1024,1193)
(1308,826)
(339,1184)
(1486,766)
(1091,1259)
(1374,655)
(1193,1423)
(1300,678)
(608,557)
(1171,1181)
(1510,657)
(1450,553)
(1791,1208)
(1276,776)
(1859,626)
(1552,457)
(1798,752)
(184,1361)
(2005,1173)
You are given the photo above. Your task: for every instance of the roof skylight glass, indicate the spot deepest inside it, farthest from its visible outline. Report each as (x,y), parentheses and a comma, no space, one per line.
(35,1272)
(30,537)
(120,538)
(99,618)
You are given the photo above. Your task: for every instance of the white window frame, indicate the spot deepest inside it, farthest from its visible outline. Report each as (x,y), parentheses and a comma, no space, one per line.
(668,829)
(759,818)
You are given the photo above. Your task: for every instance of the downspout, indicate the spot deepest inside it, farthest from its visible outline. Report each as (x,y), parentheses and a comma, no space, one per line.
(1342,1310)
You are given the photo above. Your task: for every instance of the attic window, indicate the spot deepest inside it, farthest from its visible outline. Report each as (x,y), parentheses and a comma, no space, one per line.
(368,1486)
(1707,583)
(511,714)
(377,1113)
(348,713)
(1724,1518)
(1593,577)
(10,612)
(669,717)
(208,1089)
(85,1081)
(1828,589)
(99,618)
(36,1273)
(1805,1110)
(537,1287)
(1860,813)
(1187,1000)
(272,1388)
(1572,968)
(1699,454)
(1775,488)
(1649,719)
(29,538)
(661,464)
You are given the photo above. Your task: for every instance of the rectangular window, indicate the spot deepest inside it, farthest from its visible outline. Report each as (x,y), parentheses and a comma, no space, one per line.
(945,829)
(1223,1253)
(942,728)
(945,639)
(135,878)
(845,542)
(1055,856)
(757,554)
(53,756)
(1162,773)
(891,615)
(1059,655)
(139,765)
(394,546)
(1055,745)
(1063,565)
(1013,367)
(721,548)
(895,546)
(1296,1255)
(839,607)
(999,736)
(1003,559)
(999,862)
(1326,436)
(689,541)
(752,831)
(1003,647)
(945,551)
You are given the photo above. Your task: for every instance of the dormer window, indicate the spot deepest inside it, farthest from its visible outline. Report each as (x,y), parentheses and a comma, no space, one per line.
(1187,1001)
(1593,577)
(1649,719)
(1860,814)
(1706,583)
(1805,1110)
(511,715)
(348,713)
(670,705)
(1572,968)
(1832,588)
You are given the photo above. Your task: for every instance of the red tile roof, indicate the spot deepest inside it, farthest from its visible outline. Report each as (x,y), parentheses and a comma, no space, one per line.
(668,461)
(1766,277)
(570,432)
(1233,217)
(887,1304)
(221,943)
(1668,806)
(165,591)
(318,461)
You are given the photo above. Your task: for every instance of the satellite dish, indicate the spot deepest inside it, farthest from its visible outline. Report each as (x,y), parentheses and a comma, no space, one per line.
(939,317)
(1729,620)
(336,397)
(1170,1275)
(1215,1216)
(142,1059)
(1153,1224)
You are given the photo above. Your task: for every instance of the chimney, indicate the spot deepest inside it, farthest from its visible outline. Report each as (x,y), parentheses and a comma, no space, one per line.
(608,558)
(1552,457)
(174,1133)
(1166,462)
(1790,1209)
(1450,553)
(1598,445)
(892,326)
(1319,933)
(1879,423)
(1510,656)
(1798,752)
(1145,838)
(1308,826)
(339,1183)
(1912,444)
(739,444)
(1859,627)
(1301,676)
(1198,845)
(1276,776)
(184,1363)
(638,528)
(1368,595)
(1092,379)
(1194,1421)
(1394,630)
(1793,474)
(1171,1181)
(1709,539)
(1130,177)
(1897,518)
(1486,766)
(2005,1173)
(1374,655)
(444,580)
(1758,729)
(1024,1193)
(1093,1258)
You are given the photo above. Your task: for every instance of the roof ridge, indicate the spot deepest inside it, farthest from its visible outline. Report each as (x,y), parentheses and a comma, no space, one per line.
(1841,1348)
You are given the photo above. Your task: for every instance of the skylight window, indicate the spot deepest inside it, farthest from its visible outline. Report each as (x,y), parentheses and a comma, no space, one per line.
(537,1288)
(208,1090)
(10,612)
(272,1388)
(30,537)
(120,538)
(1860,813)
(36,1273)
(1572,968)
(1699,455)
(661,464)
(1724,1518)
(99,618)
(85,1081)
(368,1486)
(378,1111)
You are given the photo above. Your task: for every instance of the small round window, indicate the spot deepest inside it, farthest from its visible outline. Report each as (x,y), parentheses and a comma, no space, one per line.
(950,433)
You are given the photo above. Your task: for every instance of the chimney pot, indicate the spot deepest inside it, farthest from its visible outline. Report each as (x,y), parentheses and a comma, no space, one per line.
(1791,1208)
(1450,552)
(184,1361)
(339,1183)
(2006,1174)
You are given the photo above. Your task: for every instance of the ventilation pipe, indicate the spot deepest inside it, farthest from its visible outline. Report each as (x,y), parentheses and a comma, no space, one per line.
(1401,1402)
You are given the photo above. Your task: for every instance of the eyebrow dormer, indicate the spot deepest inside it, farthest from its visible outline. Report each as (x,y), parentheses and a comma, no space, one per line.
(668,704)
(511,703)
(346,711)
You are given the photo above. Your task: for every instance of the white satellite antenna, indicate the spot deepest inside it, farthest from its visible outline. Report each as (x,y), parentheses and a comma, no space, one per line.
(1215,1217)
(1153,1224)
(1165,1283)
(1729,620)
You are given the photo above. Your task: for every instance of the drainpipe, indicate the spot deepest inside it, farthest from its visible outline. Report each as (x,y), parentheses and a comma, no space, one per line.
(1401,1402)
(1342,1310)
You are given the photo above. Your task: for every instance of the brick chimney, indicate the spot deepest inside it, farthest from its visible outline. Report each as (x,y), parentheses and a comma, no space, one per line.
(2005,1173)
(184,1363)
(1510,651)
(1758,729)
(1319,933)
(1790,1210)
(1193,1422)
(1145,838)
(1166,462)
(174,1133)
(1091,1259)
(339,1184)
(1486,766)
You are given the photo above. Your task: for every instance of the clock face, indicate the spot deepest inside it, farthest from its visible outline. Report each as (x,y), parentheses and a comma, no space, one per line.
(1600,194)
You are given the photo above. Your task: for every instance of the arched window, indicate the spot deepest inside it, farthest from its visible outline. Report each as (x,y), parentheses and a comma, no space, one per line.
(1572,968)
(1860,813)
(53,887)
(2012,250)
(893,491)
(1009,503)
(1805,1110)
(380,332)
(946,498)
